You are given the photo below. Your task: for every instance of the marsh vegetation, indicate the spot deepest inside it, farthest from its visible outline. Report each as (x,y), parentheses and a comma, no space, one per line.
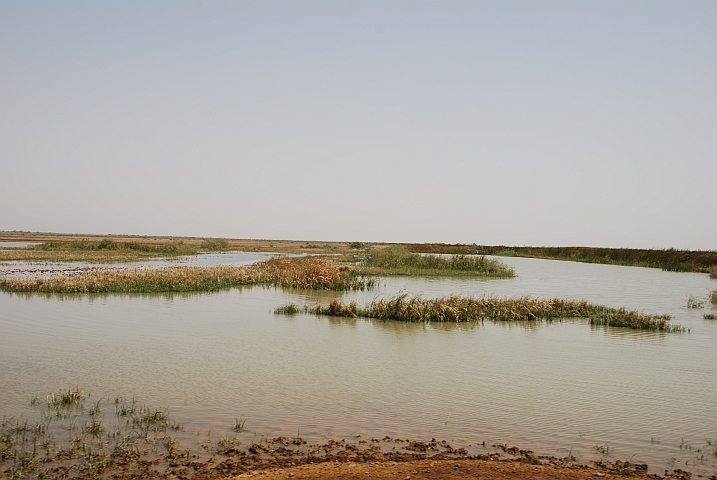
(397,260)
(319,273)
(68,248)
(413,308)
(76,435)
(105,251)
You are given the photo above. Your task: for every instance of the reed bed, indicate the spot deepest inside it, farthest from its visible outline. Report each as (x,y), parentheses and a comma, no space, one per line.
(397,260)
(411,308)
(713,272)
(307,272)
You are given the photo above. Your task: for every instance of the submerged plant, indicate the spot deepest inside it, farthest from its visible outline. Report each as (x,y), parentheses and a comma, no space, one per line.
(239,425)
(90,449)
(69,397)
(289,309)
(694,302)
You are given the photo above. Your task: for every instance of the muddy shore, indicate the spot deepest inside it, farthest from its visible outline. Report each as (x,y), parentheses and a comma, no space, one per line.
(430,469)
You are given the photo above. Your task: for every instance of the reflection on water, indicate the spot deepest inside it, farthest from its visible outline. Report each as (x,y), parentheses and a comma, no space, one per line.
(552,386)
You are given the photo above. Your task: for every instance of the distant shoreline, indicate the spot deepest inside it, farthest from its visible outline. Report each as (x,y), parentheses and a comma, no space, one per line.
(701,261)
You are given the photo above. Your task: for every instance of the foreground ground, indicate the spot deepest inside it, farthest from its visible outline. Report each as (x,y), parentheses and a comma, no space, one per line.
(446,469)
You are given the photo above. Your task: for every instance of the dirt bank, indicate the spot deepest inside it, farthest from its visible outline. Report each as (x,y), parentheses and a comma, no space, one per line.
(457,469)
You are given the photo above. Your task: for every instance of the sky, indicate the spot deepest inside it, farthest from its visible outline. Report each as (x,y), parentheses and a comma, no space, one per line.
(588,123)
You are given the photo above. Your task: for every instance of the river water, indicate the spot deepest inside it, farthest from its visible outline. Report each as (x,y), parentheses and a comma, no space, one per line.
(553,387)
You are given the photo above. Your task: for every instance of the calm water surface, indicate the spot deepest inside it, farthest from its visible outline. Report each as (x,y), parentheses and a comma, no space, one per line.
(10,245)
(555,388)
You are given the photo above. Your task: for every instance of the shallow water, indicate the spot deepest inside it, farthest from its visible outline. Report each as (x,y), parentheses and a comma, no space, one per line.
(9,245)
(20,269)
(555,388)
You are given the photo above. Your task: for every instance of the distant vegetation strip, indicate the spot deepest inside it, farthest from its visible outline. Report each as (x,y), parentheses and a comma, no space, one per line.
(667,259)
(397,260)
(307,272)
(108,250)
(408,308)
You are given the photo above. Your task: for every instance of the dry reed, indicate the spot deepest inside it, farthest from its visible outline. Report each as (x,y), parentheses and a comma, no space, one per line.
(407,308)
(307,272)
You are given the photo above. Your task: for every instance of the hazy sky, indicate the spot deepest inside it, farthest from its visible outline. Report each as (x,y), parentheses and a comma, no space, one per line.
(504,122)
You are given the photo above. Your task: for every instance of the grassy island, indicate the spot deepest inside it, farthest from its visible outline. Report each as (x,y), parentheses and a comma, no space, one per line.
(306,272)
(407,308)
(397,260)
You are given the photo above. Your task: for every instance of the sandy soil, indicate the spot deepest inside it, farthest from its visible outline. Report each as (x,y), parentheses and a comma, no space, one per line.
(443,469)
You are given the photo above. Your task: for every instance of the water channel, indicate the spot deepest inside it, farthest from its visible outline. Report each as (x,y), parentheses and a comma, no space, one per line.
(552,387)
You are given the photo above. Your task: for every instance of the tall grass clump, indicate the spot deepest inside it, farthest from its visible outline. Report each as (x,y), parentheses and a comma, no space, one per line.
(288,309)
(69,397)
(713,297)
(713,272)
(397,259)
(410,308)
(307,272)
(215,244)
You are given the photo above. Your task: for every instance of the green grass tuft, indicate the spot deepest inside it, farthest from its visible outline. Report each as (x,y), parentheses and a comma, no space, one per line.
(289,309)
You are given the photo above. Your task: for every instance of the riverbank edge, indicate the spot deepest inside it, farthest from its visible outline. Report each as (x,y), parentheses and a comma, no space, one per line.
(700,261)
(453,469)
